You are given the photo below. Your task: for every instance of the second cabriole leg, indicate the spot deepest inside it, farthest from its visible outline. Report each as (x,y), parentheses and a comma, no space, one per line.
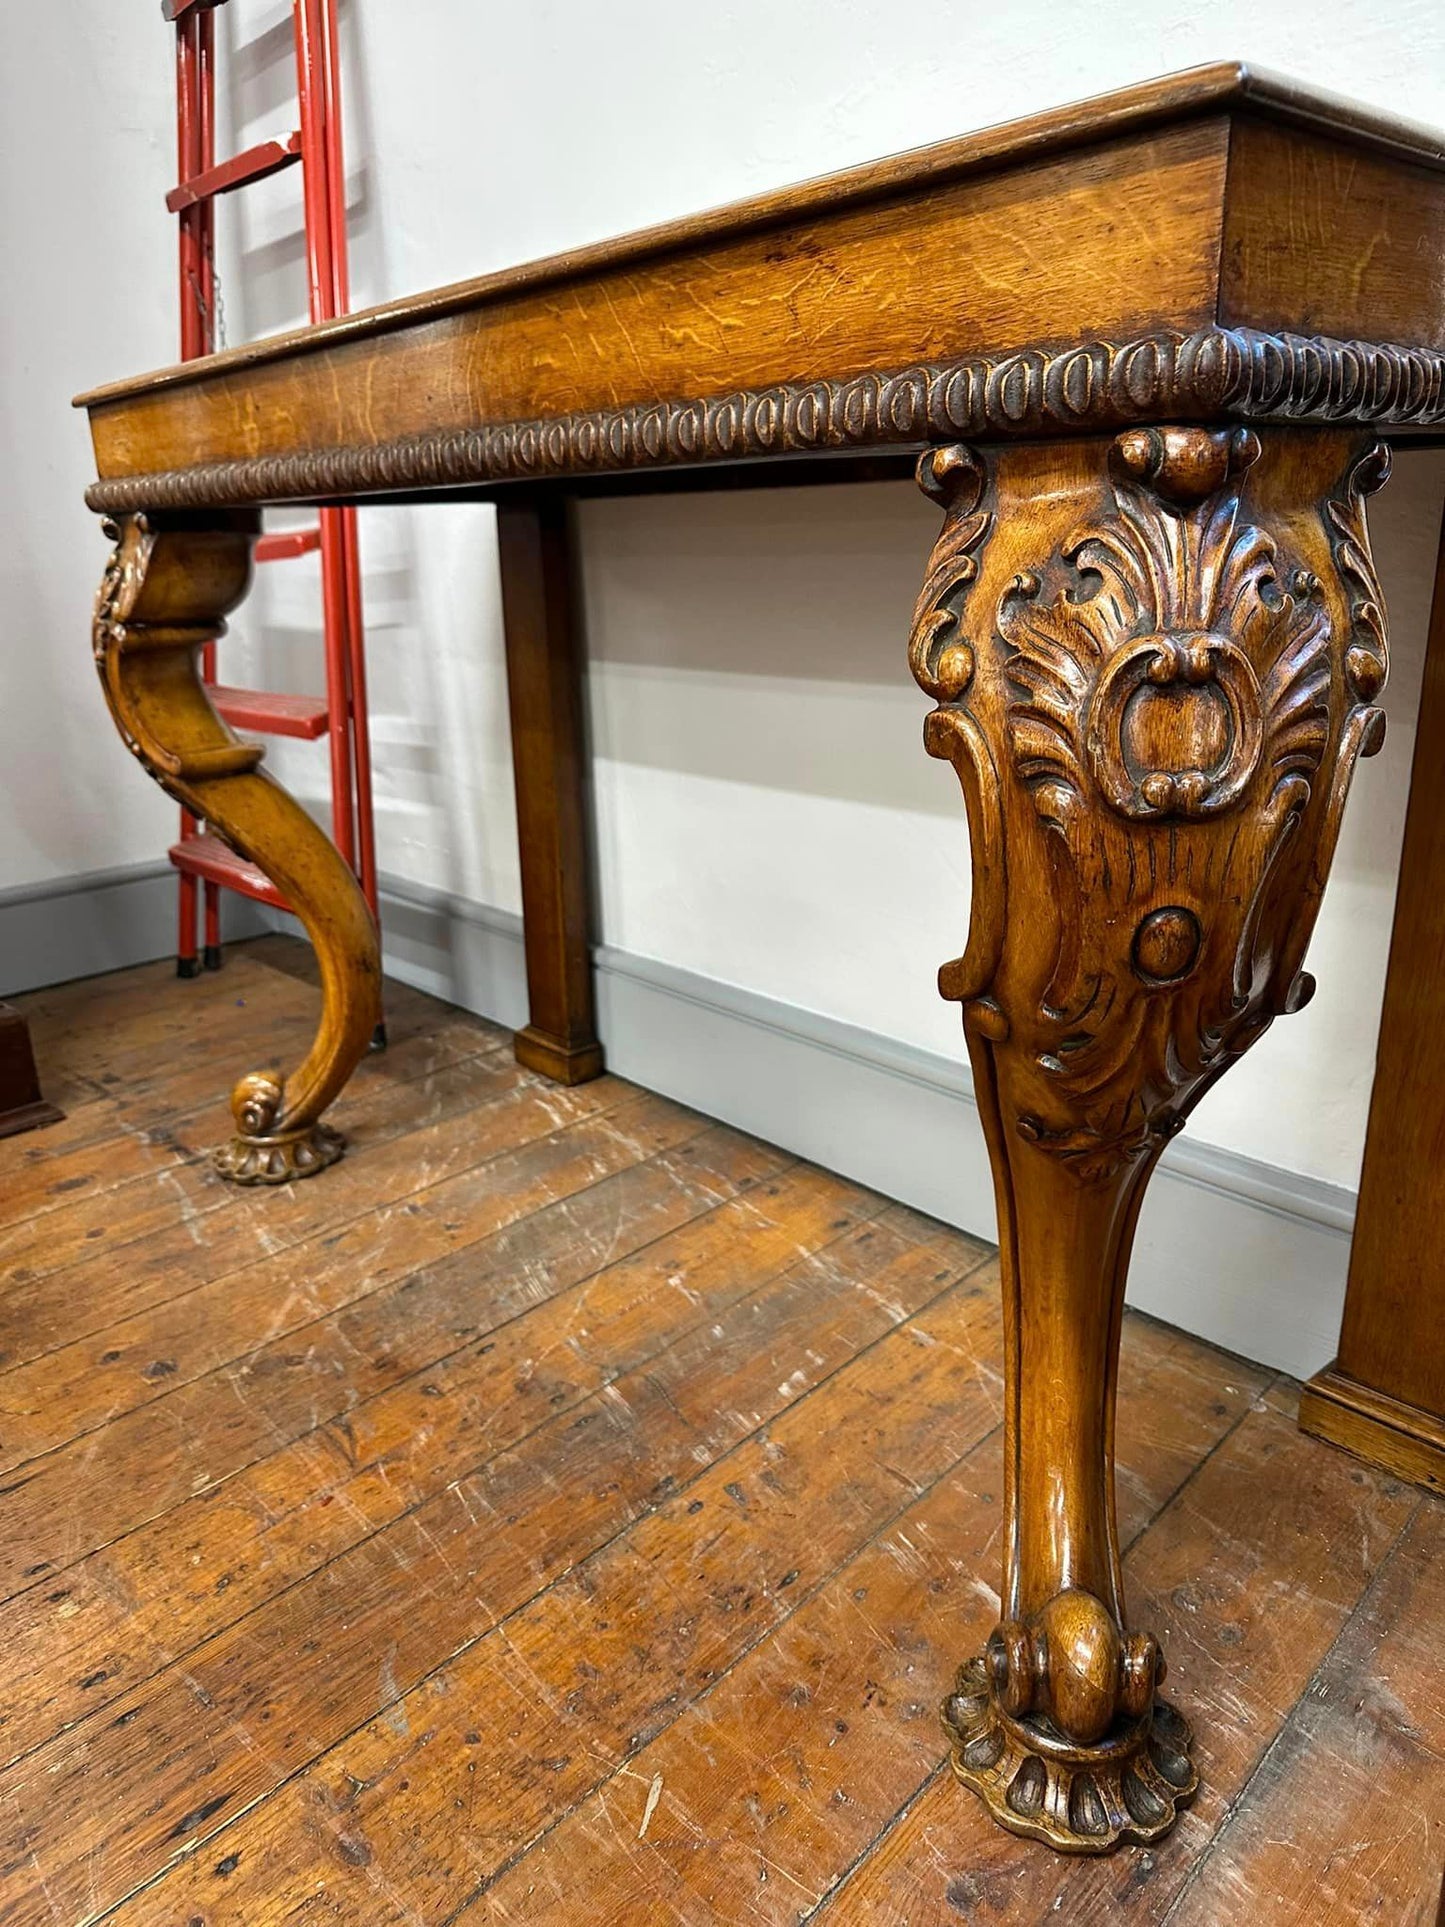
(1155,661)
(165,591)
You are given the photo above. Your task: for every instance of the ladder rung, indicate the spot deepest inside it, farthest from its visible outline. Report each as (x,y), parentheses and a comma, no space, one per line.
(271,713)
(257,162)
(176,9)
(285,543)
(207,857)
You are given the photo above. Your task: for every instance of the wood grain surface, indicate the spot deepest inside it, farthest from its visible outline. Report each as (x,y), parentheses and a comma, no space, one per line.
(1111,241)
(1222,86)
(1029,255)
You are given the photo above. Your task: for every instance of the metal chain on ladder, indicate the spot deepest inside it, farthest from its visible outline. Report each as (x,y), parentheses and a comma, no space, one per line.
(213,318)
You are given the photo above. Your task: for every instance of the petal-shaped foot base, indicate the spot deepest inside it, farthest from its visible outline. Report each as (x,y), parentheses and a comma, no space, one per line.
(279,1159)
(1080,1799)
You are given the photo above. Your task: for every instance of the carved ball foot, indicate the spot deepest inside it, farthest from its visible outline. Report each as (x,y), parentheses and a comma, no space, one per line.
(277,1160)
(1079,1799)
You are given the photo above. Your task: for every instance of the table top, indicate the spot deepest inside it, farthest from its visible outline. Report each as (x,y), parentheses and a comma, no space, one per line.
(1220,244)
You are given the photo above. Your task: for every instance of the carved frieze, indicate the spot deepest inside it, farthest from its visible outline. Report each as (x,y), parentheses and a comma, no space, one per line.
(1165,686)
(1213,374)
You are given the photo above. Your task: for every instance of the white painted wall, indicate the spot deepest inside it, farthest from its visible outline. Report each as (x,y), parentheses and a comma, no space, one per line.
(765,813)
(88,267)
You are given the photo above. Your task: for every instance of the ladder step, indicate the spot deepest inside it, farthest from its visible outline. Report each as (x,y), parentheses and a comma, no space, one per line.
(177,9)
(207,857)
(269,713)
(284,543)
(257,162)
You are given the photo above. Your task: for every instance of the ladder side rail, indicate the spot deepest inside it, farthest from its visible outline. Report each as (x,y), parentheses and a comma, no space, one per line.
(188,234)
(335,161)
(203,25)
(361,721)
(341,287)
(321,289)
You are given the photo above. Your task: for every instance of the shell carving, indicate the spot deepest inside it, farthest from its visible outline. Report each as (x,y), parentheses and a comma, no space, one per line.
(1179,660)
(1176,694)
(1173,664)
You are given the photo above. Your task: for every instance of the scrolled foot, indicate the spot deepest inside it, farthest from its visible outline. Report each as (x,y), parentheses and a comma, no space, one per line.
(279,1159)
(1127,1786)
(271,1147)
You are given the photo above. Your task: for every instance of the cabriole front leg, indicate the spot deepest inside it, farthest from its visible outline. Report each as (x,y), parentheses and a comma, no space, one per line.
(1155,661)
(166,589)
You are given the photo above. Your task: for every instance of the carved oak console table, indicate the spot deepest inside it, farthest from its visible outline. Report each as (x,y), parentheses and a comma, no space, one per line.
(1147,348)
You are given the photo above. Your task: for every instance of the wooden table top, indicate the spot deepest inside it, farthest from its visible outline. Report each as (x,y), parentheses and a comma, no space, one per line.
(1220,244)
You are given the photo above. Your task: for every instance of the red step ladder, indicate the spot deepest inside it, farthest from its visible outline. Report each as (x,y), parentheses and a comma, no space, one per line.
(340,715)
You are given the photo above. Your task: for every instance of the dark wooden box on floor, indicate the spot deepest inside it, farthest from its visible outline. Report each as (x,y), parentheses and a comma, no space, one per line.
(1178,320)
(22,1107)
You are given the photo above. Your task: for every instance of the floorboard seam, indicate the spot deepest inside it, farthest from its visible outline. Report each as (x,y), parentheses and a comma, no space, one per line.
(226,1201)
(1238,1804)
(466,1472)
(160,1130)
(604,1545)
(48,1577)
(330,1230)
(826,1901)
(804,1599)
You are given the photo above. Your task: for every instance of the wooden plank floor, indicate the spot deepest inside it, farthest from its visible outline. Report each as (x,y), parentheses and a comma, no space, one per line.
(570,1509)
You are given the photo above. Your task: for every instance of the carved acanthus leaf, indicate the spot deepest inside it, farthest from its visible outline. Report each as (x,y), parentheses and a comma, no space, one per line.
(939,655)
(1367,660)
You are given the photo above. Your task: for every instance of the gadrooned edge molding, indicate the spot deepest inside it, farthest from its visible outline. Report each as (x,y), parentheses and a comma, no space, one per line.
(1212,373)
